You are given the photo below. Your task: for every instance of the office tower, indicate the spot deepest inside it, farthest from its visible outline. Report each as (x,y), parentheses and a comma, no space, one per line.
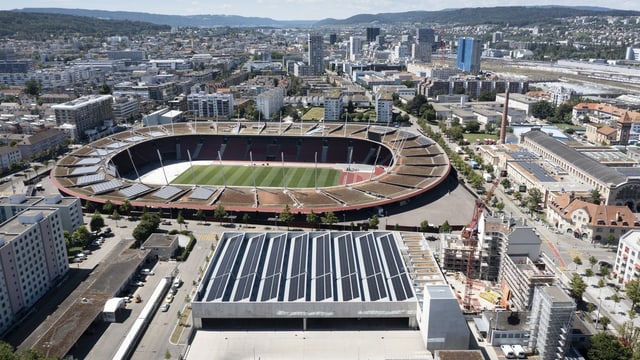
(333,38)
(372,33)
(355,47)
(86,113)
(496,37)
(316,54)
(550,322)
(469,50)
(425,35)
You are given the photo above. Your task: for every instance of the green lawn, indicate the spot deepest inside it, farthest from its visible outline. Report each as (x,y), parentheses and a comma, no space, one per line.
(265,176)
(314,114)
(472,137)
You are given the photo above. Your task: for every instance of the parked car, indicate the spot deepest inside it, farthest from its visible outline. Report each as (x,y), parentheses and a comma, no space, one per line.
(169,299)
(164,307)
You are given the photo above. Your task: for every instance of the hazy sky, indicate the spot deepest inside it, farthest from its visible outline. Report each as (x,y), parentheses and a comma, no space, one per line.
(296,9)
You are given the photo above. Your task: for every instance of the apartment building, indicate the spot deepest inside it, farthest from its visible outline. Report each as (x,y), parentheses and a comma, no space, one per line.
(333,106)
(9,155)
(270,102)
(316,54)
(70,208)
(212,106)
(125,107)
(384,107)
(34,259)
(40,143)
(85,113)
(627,265)
(550,322)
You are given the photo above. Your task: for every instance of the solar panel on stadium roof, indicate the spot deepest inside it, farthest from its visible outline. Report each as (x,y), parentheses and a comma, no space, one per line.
(116,145)
(202,193)
(136,138)
(134,190)
(85,170)
(104,187)
(156,133)
(88,161)
(167,192)
(90,179)
(100,152)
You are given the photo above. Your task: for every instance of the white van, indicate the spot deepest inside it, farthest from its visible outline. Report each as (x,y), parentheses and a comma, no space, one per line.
(508,351)
(147,272)
(177,282)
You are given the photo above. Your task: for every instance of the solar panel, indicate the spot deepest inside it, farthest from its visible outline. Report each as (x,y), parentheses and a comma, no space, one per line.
(90,179)
(346,269)
(116,145)
(85,170)
(105,187)
(202,193)
(100,152)
(371,269)
(167,192)
(134,190)
(135,138)
(156,133)
(88,161)
(222,272)
(398,277)
(273,269)
(247,275)
(321,270)
(297,268)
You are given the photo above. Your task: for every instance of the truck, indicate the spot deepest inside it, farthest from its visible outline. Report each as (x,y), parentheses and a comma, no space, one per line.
(508,351)
(518,351)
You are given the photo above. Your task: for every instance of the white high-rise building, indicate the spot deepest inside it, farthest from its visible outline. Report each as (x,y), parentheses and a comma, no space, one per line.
(210,105)
(384,107)
(550,322)
(270,102)
(355,47)
(333,106)
(33,258)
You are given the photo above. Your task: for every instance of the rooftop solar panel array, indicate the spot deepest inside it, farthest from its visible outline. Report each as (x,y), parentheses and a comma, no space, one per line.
(156,133)
(100,152)
(117,145)
(135,138)
(202,193)
(134,190)
(303,266)
(88,161)
(105,187)
(85,170)
(167,192)
(90,179)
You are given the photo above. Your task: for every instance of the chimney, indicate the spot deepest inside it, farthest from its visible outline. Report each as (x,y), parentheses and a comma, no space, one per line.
(505,113)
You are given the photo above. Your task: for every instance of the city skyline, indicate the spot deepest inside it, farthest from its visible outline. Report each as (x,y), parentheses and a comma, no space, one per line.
(291,9)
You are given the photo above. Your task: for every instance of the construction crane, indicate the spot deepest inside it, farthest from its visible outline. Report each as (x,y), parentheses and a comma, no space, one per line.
(471,236)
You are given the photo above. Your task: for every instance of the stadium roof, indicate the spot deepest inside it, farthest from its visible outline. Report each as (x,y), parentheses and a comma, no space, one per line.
(586,164)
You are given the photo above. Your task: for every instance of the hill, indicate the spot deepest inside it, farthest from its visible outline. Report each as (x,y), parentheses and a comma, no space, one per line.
(174,20)
(42,26)
(513,15)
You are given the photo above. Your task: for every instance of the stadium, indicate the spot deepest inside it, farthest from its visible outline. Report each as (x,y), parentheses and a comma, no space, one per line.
(254,167)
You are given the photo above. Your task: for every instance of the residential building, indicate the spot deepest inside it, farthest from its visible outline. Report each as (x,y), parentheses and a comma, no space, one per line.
(333,106)
(70,208)
(135,55)
(627,265)
(39,144)
(355,47)
(9,155)
(519,277)
(86,113)
(270,102)
(384,107)
(550,322)
(124,108)
(600,134)
(316,54)
(469,51)
(212,106)
(34,259)
(588,221)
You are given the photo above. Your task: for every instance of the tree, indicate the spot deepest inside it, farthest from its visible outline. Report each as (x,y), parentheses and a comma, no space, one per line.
(125,207)
(535,197)
(200,214)
(505,183)
(350,107)
(107,208)
(104,89)
(6,351)
(542,109)
(245,218)
(329,218)
(374,221)
(312,219)
(611,239)
(604,271)
(578,261)
(219,213)
(445,227)
(97,222)
(630,336)
(180,219)
(424,226)
(32,87)
(604,321)
(472,126)
(115,216)
(632,289)
(595,197)
(601,283)
(607,347)
(500,206)
(578,287)
(81,236)
(286,216)
(592,261)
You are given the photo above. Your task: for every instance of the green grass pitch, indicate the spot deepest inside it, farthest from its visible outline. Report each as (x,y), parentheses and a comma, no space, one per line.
(265,176)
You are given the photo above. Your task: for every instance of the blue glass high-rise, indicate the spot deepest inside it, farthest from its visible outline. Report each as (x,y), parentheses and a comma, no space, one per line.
(469,51)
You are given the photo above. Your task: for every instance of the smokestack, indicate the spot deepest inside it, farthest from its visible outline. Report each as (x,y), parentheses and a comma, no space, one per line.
(505,113)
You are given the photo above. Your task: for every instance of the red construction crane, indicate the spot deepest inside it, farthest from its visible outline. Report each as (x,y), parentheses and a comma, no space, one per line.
(471,234)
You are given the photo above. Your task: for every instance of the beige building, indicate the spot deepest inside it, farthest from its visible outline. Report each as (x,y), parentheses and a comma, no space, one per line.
(601,134)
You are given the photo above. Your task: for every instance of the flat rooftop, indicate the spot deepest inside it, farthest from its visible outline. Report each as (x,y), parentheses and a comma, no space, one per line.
(308,345)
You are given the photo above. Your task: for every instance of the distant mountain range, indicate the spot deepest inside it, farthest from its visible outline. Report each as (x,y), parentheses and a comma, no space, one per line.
(513,15)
